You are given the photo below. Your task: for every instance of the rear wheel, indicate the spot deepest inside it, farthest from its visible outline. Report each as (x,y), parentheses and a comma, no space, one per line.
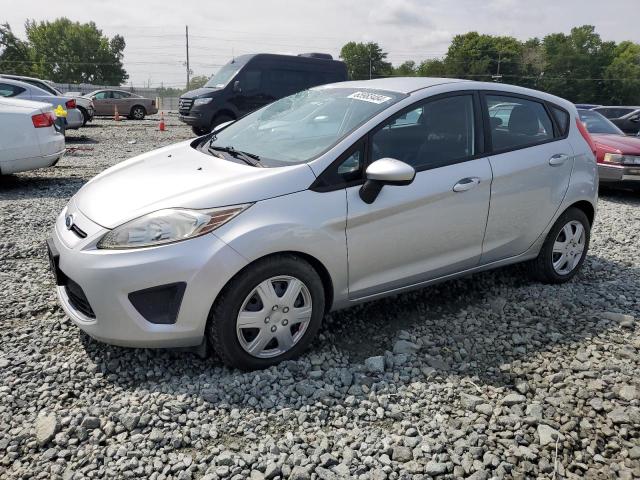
(268,313)
(564,249)
(137,113)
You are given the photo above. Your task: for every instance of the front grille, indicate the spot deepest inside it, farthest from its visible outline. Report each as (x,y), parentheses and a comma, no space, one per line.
(78,299)
(184,105)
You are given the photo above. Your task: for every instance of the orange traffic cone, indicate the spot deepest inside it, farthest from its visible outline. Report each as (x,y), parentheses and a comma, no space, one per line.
(116,115)
(162,127)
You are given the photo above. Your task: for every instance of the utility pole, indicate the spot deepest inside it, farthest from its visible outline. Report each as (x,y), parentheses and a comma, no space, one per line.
(370,59)
(497,77)
(186,32)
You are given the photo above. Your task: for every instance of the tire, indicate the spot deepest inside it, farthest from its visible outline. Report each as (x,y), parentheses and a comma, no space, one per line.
(233,343)
(199,131)
(85,116)
(543,269)
(219,120)
(137,113)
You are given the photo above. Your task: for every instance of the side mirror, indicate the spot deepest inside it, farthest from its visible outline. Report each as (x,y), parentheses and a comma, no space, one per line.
(386,171)
(635,118)
(236,86)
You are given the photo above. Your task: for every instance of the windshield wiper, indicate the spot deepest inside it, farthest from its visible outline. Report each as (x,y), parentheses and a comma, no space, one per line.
(248,158)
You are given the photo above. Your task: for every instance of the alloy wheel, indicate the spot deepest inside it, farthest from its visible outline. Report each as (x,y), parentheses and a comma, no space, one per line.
(568,247)
(274,316)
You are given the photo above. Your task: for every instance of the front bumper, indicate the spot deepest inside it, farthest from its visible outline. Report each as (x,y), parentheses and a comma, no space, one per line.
(619,173)
(108,277)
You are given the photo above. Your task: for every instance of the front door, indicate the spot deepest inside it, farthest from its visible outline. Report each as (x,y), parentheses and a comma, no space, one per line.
(531,167)
(103,103)
(434,226)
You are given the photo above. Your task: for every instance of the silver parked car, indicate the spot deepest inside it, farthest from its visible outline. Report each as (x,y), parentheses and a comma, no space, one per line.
(11,88)
(337,195)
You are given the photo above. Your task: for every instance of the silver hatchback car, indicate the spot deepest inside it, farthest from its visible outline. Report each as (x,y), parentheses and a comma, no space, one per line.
(246,237)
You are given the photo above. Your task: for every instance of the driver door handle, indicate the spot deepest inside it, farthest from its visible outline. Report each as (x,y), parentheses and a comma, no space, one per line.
(466,184)
(558,159)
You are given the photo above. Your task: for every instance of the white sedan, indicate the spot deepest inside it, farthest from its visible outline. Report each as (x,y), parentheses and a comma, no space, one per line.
(28,135)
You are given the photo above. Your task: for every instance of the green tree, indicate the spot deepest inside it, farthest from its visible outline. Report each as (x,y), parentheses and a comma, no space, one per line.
(484,57)
(198,81)
(15,54)
(432,68)
(406,69)
(364,60)
(574,65)
(66,51)
(622,75)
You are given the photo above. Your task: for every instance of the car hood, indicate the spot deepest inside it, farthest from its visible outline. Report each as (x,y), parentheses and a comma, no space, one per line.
(628,145)
(201,92)
(179,176)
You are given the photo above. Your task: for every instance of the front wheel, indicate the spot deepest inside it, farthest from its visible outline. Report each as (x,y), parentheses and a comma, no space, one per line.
(564,249)
(270,312)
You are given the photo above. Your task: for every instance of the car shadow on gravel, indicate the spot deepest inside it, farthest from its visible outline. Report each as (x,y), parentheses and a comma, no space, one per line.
(25,186)
(506,316)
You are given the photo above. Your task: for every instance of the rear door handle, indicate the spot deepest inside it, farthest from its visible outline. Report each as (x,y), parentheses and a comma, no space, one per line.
(466,184)
(558,159)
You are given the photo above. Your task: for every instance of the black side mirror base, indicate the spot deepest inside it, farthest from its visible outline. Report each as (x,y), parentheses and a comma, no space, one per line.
(370,190)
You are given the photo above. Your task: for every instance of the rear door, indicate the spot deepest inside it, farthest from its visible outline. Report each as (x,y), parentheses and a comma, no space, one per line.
(531,161)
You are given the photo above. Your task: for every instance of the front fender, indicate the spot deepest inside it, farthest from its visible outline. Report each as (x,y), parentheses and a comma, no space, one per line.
(308,222)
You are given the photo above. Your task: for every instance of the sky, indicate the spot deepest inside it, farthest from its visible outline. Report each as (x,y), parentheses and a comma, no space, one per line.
(407,29)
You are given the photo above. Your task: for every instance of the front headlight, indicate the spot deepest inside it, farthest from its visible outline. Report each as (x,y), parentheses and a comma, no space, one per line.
(620,159)
(168,226)
(201,101)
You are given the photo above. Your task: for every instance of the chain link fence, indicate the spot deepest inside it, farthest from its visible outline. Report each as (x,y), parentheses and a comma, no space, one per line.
(165,103)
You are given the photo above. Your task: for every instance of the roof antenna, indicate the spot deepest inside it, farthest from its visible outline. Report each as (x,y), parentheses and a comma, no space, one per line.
(233,57)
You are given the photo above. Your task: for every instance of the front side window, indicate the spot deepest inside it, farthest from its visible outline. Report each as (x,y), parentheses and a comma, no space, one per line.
(120,95)
(300,127)
(102,95)
(7,90)
(517,122)
(250,80)
(434,134)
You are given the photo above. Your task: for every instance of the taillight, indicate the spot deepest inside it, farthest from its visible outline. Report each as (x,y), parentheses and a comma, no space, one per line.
(43,120)
(70,103)
(585,134)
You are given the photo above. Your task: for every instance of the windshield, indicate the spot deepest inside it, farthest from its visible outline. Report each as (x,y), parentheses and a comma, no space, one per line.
(596,123)
(298,128)
(226,73)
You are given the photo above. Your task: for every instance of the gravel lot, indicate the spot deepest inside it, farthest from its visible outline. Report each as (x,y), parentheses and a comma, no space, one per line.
(486,377)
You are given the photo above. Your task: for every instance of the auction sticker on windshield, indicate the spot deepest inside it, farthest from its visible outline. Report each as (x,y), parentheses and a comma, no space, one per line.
(369,97)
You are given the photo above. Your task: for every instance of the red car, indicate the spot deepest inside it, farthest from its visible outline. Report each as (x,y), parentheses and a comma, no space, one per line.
(618,155)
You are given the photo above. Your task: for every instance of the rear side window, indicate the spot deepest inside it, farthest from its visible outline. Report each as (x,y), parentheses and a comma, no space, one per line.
(517,122)
(562,119)
(7,90)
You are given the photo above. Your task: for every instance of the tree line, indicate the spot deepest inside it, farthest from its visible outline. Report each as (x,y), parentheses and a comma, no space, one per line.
(580,66)
(63,51)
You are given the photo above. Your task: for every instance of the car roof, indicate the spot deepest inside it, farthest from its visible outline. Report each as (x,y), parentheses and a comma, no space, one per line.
(409,85)
(18,77)
(398,84)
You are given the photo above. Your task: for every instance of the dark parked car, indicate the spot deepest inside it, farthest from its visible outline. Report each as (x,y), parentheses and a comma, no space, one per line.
(626,119)
(617,154)
(249,82)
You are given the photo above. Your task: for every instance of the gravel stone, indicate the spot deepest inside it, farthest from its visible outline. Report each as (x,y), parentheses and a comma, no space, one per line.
(374,364)
(46,428)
